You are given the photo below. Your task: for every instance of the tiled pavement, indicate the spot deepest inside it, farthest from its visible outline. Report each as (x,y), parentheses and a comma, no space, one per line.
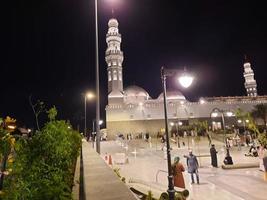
(216,183)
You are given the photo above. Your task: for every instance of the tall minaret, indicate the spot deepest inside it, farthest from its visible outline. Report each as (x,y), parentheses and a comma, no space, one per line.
(114,59)
(250,82)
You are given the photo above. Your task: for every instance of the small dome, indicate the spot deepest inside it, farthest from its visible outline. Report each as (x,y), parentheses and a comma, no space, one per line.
(113,23)
(172,95)
(135,91)
(135,95)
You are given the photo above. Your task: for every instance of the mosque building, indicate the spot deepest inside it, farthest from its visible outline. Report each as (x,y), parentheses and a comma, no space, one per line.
(132,110)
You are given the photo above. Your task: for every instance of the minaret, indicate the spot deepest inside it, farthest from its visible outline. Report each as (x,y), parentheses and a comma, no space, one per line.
(250,82)
(114,59)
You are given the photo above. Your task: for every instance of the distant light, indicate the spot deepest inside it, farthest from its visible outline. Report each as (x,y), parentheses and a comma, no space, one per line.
(11,127)
(213,122)
(29,130)
(69,127)
(182,102)
(180,123)
(247,120)
(201,101)
(171,124)
(186,80)
(229,114)
(90,95)
(239,121)
(100,122)
(140,104)
(214,114)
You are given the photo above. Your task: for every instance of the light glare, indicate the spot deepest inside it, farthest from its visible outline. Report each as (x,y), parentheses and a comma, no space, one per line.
(214,114)
(90,95)
(185,80)
(229,114)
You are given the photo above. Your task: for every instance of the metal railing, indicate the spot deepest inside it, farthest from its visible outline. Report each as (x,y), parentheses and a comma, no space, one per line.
(158,174)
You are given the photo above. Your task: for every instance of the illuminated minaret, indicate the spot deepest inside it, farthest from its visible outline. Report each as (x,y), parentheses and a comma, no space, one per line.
(250,82)
(114,59)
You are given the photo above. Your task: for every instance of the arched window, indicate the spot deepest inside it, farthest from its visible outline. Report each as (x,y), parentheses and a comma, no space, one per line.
(109,76)
(115,75)
(120,76)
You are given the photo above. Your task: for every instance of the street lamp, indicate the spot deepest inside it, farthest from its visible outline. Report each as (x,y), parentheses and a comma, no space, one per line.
(244,121)
(89,96)
(177,124)
(97,83)
(214,113)
(93,130)
(177,129)
(185,80)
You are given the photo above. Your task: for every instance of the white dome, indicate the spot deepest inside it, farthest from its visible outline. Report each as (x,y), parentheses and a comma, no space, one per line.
(172,95)
(135,94)
(113,23)
(134,90)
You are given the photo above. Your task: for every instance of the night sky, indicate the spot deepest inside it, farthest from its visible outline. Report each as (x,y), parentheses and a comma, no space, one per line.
(48,50)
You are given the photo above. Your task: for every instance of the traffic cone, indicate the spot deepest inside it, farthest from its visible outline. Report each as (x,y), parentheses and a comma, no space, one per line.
(109,160)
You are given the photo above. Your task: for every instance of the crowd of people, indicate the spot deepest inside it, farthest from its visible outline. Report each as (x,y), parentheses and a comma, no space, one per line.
(192,166)
(255,150)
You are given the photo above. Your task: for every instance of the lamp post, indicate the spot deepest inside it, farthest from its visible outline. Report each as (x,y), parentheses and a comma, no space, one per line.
(214,113)
(97,83)
(185,81)
(88,95)
(177,128)
(93,130)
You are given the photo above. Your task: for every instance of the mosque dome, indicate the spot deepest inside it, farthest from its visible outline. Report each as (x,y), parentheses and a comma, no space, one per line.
(135,94)
(113,22)
(172,95)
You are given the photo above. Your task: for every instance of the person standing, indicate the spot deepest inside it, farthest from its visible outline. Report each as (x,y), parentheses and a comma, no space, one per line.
(261,153)
(162,142)
(213,155)
(265,166)
(209,138)
(192,165)
(178,170)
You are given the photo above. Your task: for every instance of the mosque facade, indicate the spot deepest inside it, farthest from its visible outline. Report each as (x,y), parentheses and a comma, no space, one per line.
(132,110)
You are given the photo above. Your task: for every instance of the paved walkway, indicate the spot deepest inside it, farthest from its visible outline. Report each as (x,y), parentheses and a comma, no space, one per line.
(100,182)
(216,183)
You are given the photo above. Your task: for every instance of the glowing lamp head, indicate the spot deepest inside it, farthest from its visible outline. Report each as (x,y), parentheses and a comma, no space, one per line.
(185,80)
(90,95)
(100,122)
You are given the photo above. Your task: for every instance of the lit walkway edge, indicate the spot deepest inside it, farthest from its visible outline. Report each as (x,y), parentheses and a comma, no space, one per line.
(100,182)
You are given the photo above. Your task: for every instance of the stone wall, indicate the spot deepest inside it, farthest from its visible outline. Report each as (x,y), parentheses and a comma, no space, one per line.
(134,127)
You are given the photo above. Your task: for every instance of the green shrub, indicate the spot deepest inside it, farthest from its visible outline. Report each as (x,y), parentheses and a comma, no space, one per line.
(44,164)
(149,196)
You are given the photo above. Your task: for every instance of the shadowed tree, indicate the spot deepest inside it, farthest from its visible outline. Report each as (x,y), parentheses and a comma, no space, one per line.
(260,112)
(37,108)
